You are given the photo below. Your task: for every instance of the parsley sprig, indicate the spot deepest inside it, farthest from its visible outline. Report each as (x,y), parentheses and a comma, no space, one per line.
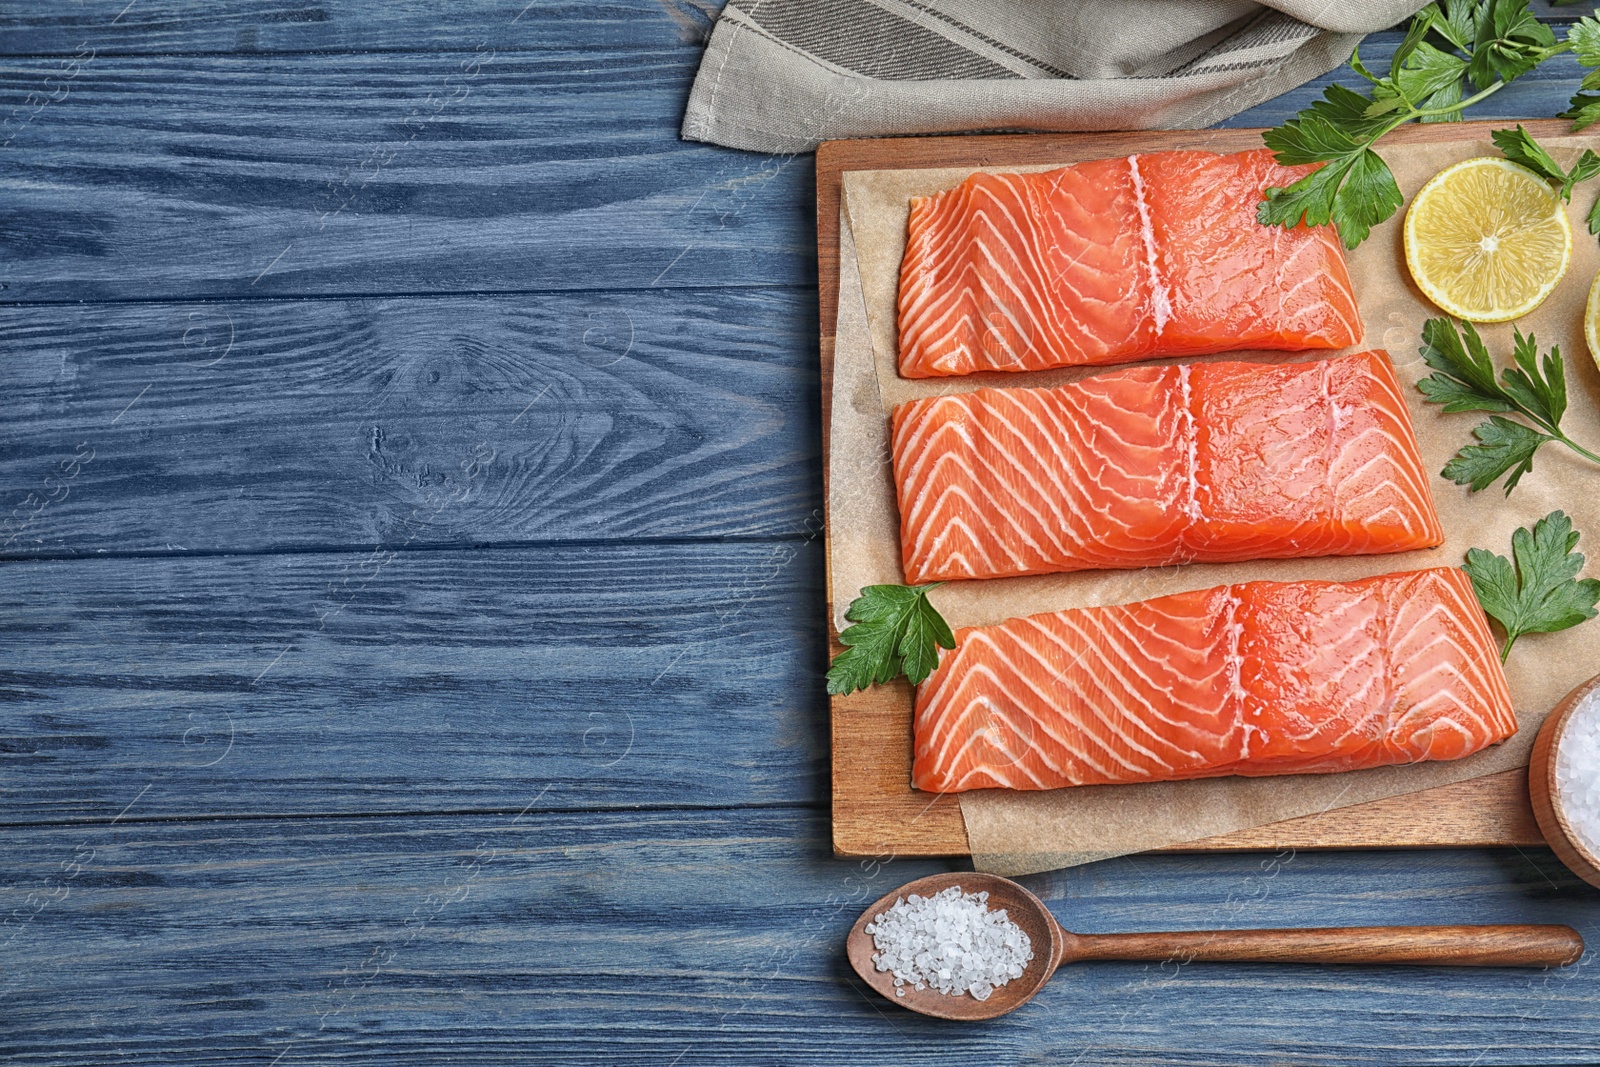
(1519,146)
(1584,37)
(1487,43)
(897,631)
(1464,380)
(1541,592)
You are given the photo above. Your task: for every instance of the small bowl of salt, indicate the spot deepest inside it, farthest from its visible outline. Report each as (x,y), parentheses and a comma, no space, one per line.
(1564,780)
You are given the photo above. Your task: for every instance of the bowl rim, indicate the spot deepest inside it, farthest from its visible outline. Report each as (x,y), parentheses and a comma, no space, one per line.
(1542,780)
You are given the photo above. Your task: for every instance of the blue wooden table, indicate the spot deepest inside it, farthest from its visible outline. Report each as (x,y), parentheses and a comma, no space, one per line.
(411,615)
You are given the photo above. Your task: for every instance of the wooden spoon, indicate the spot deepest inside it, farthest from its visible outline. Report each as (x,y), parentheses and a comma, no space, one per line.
(1479,946)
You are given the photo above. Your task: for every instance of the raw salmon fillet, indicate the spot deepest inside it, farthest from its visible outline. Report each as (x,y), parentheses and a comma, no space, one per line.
(1253,679)
(1112,261)
(1150,466)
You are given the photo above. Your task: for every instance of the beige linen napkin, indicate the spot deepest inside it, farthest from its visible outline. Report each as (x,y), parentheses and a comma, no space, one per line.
(785,75)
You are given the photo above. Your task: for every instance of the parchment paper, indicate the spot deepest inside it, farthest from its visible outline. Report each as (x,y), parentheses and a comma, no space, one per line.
(1017,832)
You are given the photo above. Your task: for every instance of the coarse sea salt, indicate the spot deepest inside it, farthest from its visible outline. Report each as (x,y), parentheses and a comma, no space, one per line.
(951,942)
(1578,772)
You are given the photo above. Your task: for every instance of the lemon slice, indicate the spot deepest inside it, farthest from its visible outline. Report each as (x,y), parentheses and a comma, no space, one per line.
(1591,320)
(1487,240)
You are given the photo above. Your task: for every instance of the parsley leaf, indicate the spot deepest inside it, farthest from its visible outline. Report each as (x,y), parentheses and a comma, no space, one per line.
(1506,445)
(1519,146)
(1464,380)
(1433,77)
(1331,127)
(1540,593)
(1487,42)
(1508,44)
(1540,391)
(1354,206)
(1455,21)
(897,631)
(1584,37)
(1585,109)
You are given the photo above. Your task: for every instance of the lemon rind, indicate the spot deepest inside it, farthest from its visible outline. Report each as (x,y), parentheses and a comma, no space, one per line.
(1591,311)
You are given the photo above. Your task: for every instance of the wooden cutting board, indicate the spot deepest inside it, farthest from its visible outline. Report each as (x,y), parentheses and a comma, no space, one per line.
(875,810)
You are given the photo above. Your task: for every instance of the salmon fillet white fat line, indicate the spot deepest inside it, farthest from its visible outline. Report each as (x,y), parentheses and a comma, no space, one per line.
(1156,465)
(1115,260)
(1257,678)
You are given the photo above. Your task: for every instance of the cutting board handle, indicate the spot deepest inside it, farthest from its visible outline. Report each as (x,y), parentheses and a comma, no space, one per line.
(1462,946)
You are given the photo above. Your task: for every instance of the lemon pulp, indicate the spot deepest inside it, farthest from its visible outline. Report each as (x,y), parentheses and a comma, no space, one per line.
(1487,240)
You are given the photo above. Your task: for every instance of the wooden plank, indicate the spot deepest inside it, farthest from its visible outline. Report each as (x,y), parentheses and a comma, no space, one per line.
(257,176)
(43,27)
(712,937)
(262,425)
(874,806)
(188,176)
(561,677)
